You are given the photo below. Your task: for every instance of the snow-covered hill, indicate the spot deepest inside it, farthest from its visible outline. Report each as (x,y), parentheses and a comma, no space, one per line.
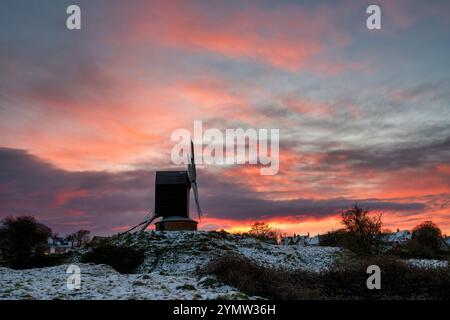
(169,268)
(102,282)
(168,272)
(180,253)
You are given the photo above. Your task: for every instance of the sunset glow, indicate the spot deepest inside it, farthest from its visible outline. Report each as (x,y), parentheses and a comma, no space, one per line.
(86,116)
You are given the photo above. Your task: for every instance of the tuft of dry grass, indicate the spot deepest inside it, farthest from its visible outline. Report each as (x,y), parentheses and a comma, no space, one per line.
(345,280)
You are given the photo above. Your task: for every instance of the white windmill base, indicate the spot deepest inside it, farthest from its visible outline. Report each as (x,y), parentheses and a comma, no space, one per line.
(175,223)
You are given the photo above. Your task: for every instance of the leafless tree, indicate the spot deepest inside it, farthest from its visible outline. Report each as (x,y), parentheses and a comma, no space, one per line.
(262,230)
(80,237)
(363,230)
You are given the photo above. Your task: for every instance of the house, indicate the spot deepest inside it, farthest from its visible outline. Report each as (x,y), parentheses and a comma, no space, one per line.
(294,240)
(313,241)
(299,240)
(57,245)
(447,242)
(399,237)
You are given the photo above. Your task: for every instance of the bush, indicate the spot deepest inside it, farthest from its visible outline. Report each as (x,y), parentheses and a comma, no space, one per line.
(426,241)
(121,258)
(23,242)
(345,280)
(256,280)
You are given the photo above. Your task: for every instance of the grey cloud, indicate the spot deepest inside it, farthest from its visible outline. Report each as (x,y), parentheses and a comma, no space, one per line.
(107,200)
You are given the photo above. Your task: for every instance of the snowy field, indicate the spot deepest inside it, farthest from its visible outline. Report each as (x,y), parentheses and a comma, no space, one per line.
(102,282)
(169,269)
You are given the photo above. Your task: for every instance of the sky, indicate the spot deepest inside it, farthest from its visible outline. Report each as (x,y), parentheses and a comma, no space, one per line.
(86,115)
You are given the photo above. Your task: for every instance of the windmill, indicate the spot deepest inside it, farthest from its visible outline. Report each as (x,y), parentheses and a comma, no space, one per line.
(172,194)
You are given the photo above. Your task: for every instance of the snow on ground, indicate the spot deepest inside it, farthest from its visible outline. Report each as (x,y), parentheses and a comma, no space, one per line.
(292,257)
(183,252)
(169,268)
(168,272)
(427,263)
(102,282)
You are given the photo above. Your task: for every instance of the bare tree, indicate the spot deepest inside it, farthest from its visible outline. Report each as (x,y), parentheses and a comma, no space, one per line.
(80,237)
(363,230)
(262,230)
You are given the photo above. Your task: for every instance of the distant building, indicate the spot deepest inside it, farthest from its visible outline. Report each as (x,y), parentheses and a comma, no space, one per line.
(313,241)
(447,242)
(293,240)
(299,240)
(57,245)
(399,237)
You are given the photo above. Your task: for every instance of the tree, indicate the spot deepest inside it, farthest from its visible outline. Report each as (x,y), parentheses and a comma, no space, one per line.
(262,230)
(363,230)
(426,240)
(22,241)
(80,237)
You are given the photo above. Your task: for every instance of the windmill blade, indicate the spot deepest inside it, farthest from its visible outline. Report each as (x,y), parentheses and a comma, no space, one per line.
(192,171)
(192,174)
(197,203)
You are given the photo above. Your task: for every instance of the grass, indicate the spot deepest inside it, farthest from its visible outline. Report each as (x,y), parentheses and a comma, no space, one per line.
(345,280)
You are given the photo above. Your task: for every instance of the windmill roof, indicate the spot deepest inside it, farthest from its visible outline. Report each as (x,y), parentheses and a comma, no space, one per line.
(172,177)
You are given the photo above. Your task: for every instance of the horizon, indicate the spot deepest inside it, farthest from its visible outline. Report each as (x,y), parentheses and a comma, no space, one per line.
(86,116)
(243,230)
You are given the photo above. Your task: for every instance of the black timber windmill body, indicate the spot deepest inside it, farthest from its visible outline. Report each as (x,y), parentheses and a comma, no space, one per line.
(172,194)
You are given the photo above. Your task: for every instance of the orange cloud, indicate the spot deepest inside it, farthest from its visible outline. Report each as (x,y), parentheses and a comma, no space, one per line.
(285,36)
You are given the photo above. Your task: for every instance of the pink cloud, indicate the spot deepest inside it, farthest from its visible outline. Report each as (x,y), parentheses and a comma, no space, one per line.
(285,36)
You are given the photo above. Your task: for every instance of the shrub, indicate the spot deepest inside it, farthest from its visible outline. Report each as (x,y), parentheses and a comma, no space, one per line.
(426,241)
(121,258)
(345,280)
(23,242)
(256,280)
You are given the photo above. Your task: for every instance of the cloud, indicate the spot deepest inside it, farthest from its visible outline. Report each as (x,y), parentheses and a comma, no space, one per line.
(284,36)
(105,201)
(100,200)
(108,98)
(394,158)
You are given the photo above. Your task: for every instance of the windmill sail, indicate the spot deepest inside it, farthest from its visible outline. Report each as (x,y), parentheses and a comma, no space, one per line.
(192,173)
